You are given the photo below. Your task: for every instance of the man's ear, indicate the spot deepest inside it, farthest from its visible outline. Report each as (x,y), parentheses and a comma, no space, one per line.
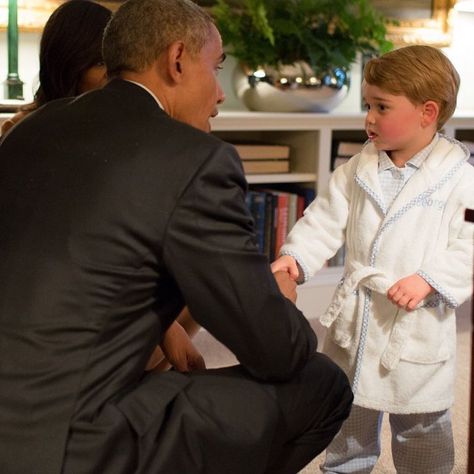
(175,59)
(430,113)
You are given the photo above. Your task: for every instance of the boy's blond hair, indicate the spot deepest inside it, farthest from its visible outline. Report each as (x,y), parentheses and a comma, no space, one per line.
(420,73)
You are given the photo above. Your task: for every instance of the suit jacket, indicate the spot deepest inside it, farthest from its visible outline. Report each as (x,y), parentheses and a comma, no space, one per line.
(112,215)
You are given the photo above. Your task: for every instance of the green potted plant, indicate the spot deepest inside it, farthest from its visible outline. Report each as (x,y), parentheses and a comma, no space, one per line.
(300,46)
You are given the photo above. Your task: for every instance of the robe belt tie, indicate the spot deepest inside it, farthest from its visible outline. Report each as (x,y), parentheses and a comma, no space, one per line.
(377,281)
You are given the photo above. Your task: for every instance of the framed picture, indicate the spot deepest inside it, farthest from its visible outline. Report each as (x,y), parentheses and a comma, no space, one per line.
(418,21)
(31,14)
(414,21)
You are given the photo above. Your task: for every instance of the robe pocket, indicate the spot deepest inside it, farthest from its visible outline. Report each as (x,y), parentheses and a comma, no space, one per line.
(145,406)
(432,338)
(342,329)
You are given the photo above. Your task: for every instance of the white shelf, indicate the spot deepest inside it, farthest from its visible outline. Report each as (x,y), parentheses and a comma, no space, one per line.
(243,120)
(281,178)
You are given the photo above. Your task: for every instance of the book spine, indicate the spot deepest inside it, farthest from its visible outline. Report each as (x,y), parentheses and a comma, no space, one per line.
(300,207)
(273,251)
(269,217)
(292,210)
(282,223)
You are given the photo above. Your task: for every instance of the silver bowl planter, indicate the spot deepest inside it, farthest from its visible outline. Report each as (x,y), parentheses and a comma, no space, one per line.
(290,88)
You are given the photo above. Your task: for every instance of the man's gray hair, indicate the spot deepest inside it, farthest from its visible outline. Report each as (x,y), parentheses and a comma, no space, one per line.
(141,30)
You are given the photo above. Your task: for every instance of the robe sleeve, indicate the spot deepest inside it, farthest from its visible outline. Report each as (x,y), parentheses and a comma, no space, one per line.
(318,235)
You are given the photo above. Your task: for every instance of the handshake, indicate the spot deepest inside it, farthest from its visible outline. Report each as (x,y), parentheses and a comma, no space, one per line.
(286,274)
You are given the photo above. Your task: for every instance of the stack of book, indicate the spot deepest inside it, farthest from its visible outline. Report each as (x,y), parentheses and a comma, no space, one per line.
(275,212)
(343,151)
(258,158)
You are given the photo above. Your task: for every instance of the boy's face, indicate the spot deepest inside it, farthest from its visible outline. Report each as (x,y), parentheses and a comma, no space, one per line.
(394,124)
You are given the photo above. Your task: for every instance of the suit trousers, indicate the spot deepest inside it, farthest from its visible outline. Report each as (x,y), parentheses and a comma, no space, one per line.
(223,421)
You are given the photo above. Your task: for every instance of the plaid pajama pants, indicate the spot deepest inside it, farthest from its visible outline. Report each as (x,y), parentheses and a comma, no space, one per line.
(421,443)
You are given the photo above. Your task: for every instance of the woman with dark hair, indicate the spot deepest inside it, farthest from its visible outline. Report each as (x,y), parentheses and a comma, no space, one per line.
(70,59)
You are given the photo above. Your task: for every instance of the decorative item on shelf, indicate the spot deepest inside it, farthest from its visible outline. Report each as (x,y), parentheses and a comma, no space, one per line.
(295,56)
(291,88)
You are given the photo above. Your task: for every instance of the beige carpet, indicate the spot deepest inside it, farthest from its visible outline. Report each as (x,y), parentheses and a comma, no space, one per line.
(217,355)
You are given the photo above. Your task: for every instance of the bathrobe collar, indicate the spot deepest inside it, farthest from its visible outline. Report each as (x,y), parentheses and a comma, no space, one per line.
(445,157)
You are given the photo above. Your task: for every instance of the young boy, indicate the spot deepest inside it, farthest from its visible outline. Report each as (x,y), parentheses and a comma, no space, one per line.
(399,207)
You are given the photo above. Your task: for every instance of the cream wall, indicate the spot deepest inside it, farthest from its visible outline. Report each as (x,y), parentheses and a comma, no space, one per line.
(460,53)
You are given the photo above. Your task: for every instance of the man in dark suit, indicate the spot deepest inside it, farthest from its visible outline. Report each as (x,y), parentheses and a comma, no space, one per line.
(116,208)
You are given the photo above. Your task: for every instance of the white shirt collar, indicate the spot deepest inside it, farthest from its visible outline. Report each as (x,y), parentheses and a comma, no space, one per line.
(386,163)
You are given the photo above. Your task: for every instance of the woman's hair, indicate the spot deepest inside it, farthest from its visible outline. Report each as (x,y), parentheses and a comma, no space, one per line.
(142,29)
(420,73)
(70,44)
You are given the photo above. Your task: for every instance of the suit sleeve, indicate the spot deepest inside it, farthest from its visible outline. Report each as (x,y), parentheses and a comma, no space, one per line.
(210,250)
(318,235)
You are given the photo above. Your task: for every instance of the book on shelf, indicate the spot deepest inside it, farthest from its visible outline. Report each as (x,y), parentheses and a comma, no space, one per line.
(308,192)
(266,166)
(343,151)
(340,160)
(292,210)
(282,220)
(258,151)
(271,205)
(274,212)
(345,148)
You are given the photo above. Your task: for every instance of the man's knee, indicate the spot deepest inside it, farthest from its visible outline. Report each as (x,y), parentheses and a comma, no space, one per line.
(320,394)
(328,378)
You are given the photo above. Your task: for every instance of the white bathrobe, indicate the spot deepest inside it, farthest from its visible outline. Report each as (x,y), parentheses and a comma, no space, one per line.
(400,362)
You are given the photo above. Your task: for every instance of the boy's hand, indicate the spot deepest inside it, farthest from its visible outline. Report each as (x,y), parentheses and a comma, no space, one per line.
(409,291)
(287,264)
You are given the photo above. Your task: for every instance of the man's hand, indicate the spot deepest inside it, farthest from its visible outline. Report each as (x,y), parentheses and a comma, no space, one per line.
(180,351)
(286,284)
(409,291)
(287,264)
